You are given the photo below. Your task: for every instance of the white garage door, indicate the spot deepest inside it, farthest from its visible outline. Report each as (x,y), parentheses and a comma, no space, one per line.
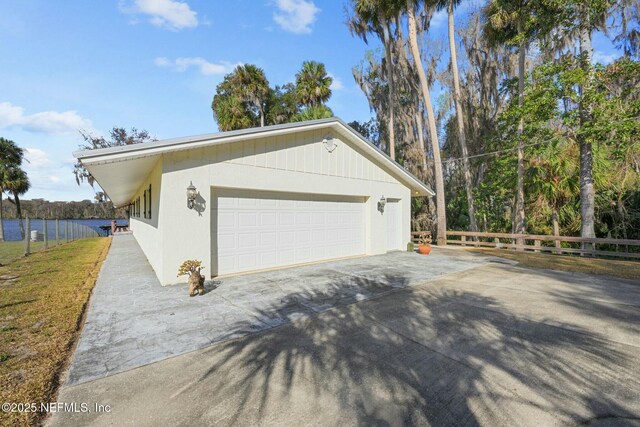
(258,230)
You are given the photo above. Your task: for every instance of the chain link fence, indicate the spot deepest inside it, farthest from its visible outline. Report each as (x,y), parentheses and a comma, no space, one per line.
(38,234)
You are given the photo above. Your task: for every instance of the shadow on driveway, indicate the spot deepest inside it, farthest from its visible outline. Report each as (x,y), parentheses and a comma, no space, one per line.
(431,354)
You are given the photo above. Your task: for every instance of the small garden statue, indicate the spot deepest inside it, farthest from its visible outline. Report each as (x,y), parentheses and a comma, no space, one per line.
(192,268)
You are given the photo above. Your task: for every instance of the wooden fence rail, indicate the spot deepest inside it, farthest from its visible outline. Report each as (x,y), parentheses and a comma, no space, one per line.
(594,246)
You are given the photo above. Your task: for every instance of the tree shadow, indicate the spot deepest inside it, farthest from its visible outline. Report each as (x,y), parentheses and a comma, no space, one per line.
(418,355)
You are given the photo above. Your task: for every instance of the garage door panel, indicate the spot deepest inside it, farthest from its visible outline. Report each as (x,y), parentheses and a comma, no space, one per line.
(263,230)
(226,220)
(286,238)
(248,261)
(287,219)
(226,242)
(247,219)
(268,240)
(318,218)
(303,218)
(248,241)
(268,219)
(286,256)
(268,259)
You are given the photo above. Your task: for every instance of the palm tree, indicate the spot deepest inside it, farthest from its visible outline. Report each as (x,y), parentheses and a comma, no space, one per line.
(457,96)
(375,16)
(431,120)
(553,175)
(18,184)
(591,14)
(240,99)
(252,86)
(506,24)
(313,85)
(313,113)
(11,157)
(517,23)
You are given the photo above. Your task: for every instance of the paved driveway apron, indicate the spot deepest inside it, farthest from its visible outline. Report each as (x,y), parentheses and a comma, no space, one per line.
(133,321)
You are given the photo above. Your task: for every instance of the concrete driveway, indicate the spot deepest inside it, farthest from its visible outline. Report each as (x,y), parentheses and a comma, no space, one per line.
(133,321)
(491,344)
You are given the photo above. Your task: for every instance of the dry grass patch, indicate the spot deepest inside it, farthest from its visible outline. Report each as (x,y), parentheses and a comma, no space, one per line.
(606,267)
(40,315)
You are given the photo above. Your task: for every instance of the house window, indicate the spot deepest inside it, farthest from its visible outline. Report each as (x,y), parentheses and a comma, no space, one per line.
(145,203)
(149,201)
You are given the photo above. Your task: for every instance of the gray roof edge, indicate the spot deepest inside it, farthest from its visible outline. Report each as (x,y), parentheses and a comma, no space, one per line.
(86,154)
(396,164)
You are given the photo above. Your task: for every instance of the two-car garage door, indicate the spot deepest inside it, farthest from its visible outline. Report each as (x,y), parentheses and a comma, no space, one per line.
(259,230)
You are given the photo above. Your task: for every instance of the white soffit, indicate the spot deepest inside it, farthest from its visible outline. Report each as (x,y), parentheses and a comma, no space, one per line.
(121,170)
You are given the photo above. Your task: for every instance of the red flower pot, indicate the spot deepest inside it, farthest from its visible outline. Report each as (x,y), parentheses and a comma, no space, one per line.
(424,249)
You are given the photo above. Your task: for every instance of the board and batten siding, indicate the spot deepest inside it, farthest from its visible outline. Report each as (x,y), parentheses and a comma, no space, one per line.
(297,163)
(147,230)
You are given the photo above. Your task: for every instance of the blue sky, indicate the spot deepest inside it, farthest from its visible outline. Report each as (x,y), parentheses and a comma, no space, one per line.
(154,65)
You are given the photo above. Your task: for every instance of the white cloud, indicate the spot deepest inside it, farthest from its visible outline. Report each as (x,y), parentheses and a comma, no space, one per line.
(336,84)
(604,58)
(50,122)
(206,68)
(172,14)
(438,19)
(37,159)
(295,16)
(45,173)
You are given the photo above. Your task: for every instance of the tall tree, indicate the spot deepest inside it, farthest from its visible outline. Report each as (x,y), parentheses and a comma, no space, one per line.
(11,157)
(516,23)
(119,137)
(253,87)
(431,120)
(282,105)
(313,85)
(457,97)
(577,20)
(375,16)
(18,184)
(240,99)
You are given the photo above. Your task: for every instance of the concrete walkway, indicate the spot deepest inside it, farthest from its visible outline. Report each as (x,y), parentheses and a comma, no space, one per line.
(495,345)
(133,321)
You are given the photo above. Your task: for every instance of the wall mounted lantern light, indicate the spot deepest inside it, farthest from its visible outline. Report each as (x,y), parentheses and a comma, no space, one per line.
(192,193)
(381,204)
(329,143)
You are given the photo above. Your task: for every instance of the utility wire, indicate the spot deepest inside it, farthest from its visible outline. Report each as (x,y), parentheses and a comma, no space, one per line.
(491,153)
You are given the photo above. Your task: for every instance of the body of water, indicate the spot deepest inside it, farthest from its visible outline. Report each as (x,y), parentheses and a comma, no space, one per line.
(12,227)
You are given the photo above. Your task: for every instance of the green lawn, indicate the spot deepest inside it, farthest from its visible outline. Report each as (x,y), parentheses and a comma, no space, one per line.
(40,316)
(9,251)
(607,267)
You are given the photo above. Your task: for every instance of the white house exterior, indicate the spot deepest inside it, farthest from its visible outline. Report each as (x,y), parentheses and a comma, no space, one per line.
(267,197)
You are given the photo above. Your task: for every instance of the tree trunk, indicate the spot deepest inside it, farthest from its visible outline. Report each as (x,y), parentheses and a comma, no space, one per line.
(420,131)
(261,116)
(587,191)
(441,238)
(19,215)
(387,52)
(461,130)
(1,220)
(519,214)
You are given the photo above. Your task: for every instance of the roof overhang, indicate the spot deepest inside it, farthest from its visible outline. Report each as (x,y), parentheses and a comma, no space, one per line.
(120,171)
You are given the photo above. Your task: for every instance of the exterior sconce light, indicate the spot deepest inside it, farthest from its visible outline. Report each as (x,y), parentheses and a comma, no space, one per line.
(381,204)
(329,143)
(192,193)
